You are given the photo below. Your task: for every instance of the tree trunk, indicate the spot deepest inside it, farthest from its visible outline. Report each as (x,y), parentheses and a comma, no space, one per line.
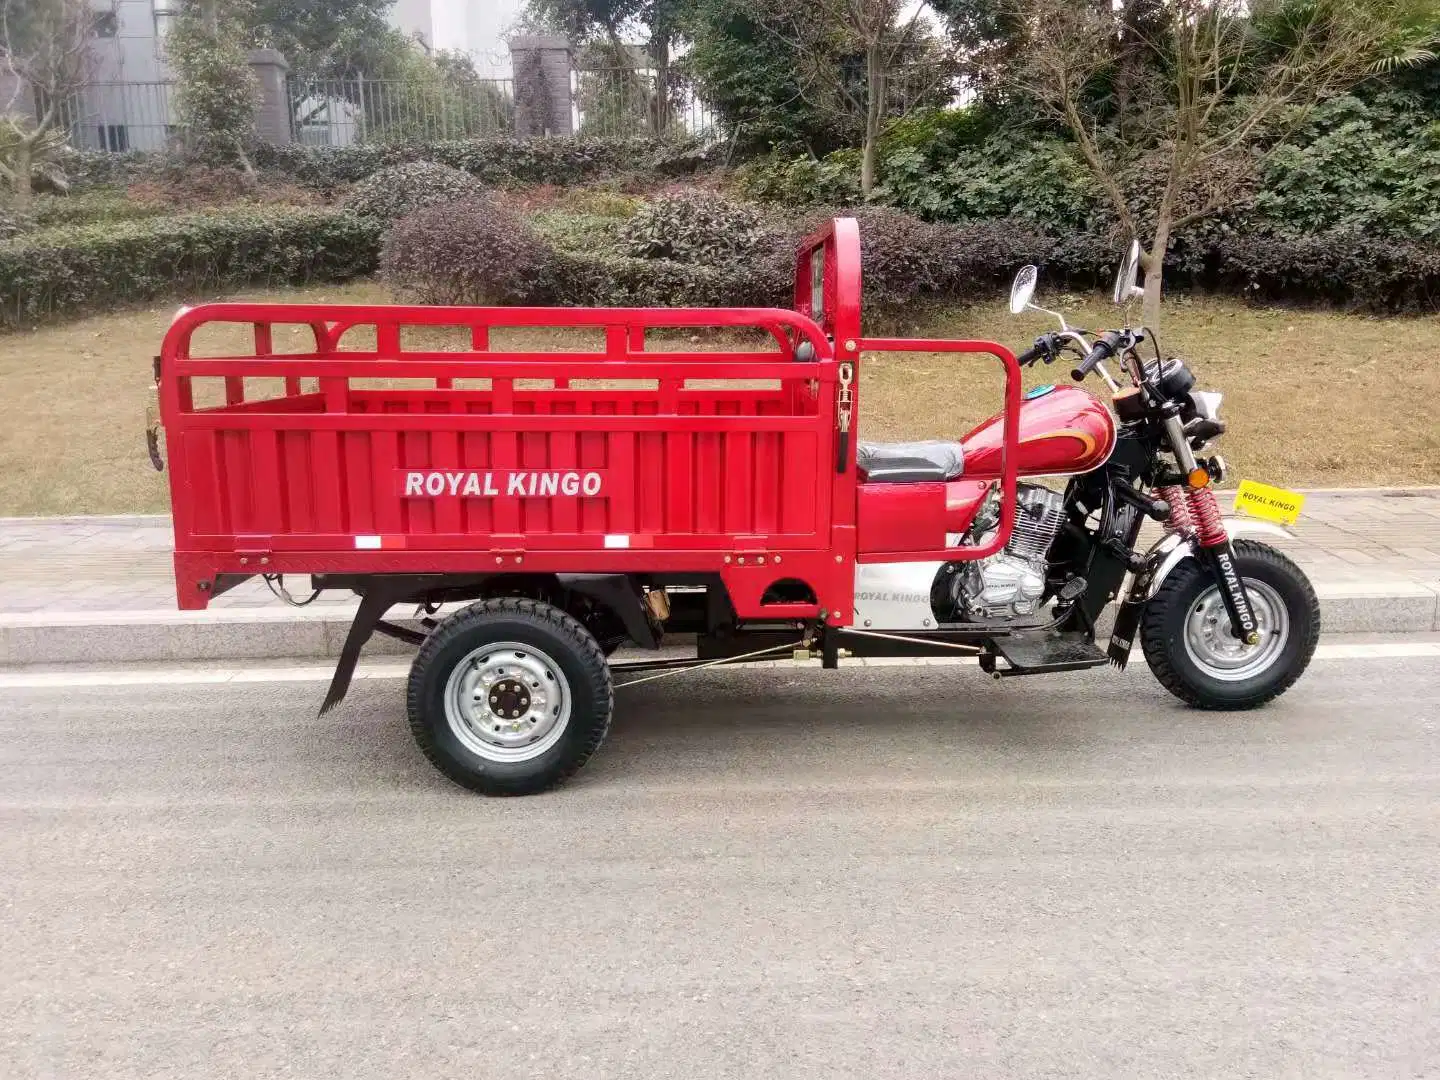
(1151,308)
(1154,266)
(874,117)
(660,52)
(867,164)
(22,182)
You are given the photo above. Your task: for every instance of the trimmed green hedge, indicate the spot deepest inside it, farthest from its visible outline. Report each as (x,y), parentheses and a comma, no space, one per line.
(93,208)
(67,270)
(497,161)
(608,279)
(494,161)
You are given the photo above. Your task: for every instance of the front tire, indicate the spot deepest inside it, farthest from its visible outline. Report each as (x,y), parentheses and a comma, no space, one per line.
(1185,632)
(510,697)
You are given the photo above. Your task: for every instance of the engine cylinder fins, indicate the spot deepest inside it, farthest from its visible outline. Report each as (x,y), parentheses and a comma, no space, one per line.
(1038,518)
(1011,583)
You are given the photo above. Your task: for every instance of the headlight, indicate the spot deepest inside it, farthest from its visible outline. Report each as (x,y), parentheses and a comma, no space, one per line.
(1206,403)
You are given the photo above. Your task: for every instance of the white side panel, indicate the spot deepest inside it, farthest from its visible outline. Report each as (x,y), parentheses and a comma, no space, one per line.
(894,596)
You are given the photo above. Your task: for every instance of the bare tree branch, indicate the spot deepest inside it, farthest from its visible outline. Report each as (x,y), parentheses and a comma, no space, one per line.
(1217,83)
(885,33)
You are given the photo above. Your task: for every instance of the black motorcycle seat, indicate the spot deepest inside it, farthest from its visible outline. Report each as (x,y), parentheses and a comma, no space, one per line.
(910,462)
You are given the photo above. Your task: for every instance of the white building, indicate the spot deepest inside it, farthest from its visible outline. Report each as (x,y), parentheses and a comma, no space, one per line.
(477,27)
(131,107)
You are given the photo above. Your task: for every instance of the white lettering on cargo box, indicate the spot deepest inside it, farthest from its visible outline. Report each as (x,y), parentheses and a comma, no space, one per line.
(472,484)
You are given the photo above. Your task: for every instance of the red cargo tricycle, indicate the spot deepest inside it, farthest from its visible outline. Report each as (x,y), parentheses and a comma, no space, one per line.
(578,501)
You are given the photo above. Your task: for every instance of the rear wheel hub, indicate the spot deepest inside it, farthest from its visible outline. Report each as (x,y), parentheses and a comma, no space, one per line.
(509,699)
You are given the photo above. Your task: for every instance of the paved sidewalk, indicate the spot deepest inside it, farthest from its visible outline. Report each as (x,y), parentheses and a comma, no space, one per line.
(101,589)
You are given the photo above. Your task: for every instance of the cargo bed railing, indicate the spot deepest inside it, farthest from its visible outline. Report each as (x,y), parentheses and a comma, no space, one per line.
(625,328)
(625,344)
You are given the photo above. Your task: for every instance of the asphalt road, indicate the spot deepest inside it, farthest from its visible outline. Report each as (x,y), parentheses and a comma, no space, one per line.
(874,873)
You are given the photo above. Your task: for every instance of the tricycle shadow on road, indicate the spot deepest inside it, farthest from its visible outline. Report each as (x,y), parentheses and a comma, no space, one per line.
(954,704)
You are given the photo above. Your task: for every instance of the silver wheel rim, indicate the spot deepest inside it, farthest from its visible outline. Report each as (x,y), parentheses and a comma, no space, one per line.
(1218,653)
(507,702)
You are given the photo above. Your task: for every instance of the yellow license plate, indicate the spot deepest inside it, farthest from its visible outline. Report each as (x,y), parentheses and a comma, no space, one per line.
(1270,503)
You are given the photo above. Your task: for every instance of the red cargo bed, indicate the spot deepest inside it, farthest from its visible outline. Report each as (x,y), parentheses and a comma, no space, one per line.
(368,453)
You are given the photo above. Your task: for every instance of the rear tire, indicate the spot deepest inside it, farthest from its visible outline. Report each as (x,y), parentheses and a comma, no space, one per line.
(1185,632)
(510,697)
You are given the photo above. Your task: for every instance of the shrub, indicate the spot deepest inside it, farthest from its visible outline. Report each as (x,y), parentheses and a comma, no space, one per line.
(52,211)
(403,189)
(1338,267)
(576,231)
(904,257)
(215,90)
(86,170)
(13,222)
(834,181)
(608,279)
(495,161)
(907,259)
(469,252)
(1366,166)
(693,226)
(1040,181)
(198,187)
(942,131)
(96,266)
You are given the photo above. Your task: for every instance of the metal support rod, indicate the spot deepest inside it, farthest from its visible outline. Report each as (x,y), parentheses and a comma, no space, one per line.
(709,663)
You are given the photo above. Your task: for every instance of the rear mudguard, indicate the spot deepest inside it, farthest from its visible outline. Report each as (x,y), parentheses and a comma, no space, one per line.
(1169,552)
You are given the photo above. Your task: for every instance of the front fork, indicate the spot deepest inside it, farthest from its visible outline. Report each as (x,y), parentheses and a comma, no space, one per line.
(1214,550)
(1201,515)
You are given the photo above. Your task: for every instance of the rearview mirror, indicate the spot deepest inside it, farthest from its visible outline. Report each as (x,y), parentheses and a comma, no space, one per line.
(1126,288)
(1023,289)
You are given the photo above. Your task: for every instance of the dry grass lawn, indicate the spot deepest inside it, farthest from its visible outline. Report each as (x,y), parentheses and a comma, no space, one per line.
(1313,398)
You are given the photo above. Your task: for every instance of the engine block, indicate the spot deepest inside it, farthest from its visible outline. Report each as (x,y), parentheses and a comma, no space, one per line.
(1011,583)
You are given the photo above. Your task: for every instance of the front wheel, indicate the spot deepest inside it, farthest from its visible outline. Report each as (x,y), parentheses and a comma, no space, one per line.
(1186,636)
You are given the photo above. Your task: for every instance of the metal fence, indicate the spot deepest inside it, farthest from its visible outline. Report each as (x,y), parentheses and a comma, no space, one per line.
(120,116)
(338,112)
(604,103)
(617,101)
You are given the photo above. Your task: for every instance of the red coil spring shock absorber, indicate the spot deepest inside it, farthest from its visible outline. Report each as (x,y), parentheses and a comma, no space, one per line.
(1209,525)
(1180,519)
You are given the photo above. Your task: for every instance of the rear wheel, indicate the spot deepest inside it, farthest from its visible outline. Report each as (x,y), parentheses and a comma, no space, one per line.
(1187,641)
(510,697)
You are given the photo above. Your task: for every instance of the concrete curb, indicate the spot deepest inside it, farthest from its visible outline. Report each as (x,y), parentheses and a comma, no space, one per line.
(319,632)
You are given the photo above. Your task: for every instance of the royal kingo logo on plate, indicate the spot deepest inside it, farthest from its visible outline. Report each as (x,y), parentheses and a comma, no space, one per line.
(1271,503)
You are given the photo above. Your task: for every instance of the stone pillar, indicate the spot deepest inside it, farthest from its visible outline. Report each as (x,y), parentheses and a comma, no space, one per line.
(543,67)
(272,104)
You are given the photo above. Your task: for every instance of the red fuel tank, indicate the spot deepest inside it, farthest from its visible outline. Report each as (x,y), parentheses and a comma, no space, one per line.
(1062,430)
